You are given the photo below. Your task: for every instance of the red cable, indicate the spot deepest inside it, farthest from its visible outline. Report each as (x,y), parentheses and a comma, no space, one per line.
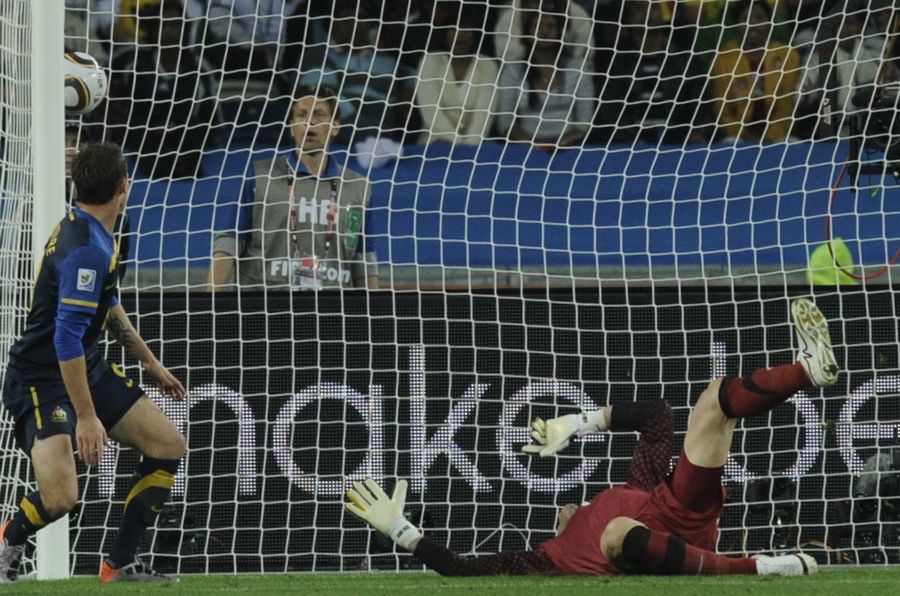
(834,190)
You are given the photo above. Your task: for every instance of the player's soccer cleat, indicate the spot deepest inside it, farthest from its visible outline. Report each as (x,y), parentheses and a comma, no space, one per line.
(137,571)
(793,564)
(816,354)
(10,557)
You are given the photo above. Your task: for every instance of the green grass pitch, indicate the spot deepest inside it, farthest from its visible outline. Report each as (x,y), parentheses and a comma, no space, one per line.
(844,581)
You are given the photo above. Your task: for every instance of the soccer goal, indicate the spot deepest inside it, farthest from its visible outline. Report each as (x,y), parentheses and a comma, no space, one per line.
(695,166)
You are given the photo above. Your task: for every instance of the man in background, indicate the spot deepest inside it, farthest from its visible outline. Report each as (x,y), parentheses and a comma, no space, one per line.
(301,219)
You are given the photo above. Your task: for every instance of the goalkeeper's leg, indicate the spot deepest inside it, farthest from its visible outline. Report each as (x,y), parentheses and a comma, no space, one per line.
(695,484)
(696,481)
(708,439)
(635,548)
(148,430)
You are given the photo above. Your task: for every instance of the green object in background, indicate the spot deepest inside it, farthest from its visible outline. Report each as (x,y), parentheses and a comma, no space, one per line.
(823,271)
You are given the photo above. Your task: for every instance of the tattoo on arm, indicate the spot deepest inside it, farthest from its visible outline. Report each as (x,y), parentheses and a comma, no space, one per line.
(121,332)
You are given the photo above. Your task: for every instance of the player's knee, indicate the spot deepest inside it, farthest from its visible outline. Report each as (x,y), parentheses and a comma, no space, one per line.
(173,448)
(176,448)
(61,500)
(614,535)
(169,444)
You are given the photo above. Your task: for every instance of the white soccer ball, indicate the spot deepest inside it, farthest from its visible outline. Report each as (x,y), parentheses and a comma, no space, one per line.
(86,82)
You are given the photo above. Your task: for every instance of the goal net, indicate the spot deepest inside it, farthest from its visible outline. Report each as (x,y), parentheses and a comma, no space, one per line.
(570,204)
(16,186)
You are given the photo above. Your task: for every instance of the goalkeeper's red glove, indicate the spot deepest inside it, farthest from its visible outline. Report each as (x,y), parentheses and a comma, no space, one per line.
(370,503)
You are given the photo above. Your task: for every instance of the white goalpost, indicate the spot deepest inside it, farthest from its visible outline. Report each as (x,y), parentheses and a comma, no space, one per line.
(48,147)
(33,191)
(640,231)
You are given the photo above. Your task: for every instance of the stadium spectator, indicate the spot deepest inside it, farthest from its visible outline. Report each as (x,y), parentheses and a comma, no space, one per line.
(127,27)
(83,34)
(513,35)
(249,38)
(58,387)
(408,27)
(657,523)
(301,221)
(653,88)
(701,25)
(755,83)
(698,28)
(373,101)
(457,87)
(162,100)
(549,99)
(796,21)
(103,28)
(860,43)
(607,30)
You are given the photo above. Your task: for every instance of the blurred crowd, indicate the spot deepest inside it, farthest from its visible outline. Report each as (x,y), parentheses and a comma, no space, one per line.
(188,75)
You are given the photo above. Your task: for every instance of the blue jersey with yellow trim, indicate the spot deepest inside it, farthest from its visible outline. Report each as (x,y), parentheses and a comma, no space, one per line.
(78,275)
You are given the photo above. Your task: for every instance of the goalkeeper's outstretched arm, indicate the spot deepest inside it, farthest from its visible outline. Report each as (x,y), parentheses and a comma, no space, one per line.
(651,418)
(653,452)
(371,504)
(552,436)
(446,562)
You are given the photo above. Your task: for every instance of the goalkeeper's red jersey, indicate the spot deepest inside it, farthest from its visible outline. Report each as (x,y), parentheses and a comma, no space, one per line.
(577,549)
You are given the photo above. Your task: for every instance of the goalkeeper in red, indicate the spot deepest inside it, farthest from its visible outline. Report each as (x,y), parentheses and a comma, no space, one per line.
(657,523)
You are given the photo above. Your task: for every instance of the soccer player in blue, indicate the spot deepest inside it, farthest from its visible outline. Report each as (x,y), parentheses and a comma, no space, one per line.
(58,384)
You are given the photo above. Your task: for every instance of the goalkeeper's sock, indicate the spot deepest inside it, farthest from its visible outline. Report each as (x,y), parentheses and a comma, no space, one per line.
(31,517)
(153,482)
(653,552)
(762,390)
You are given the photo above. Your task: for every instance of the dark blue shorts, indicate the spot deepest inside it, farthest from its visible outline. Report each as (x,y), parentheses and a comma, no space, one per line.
(45,410)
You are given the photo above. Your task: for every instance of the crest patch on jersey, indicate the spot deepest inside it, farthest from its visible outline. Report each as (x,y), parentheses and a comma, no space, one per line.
(59,415)
(86,280)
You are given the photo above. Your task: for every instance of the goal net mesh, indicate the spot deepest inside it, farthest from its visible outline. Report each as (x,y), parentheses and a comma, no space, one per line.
(16,269)
(570,204)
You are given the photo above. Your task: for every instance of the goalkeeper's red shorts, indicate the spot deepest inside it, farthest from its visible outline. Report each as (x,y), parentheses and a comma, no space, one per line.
(665,511)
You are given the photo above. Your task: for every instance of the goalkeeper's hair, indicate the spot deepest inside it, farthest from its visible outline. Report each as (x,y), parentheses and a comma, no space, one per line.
(96,172)
(321,93)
